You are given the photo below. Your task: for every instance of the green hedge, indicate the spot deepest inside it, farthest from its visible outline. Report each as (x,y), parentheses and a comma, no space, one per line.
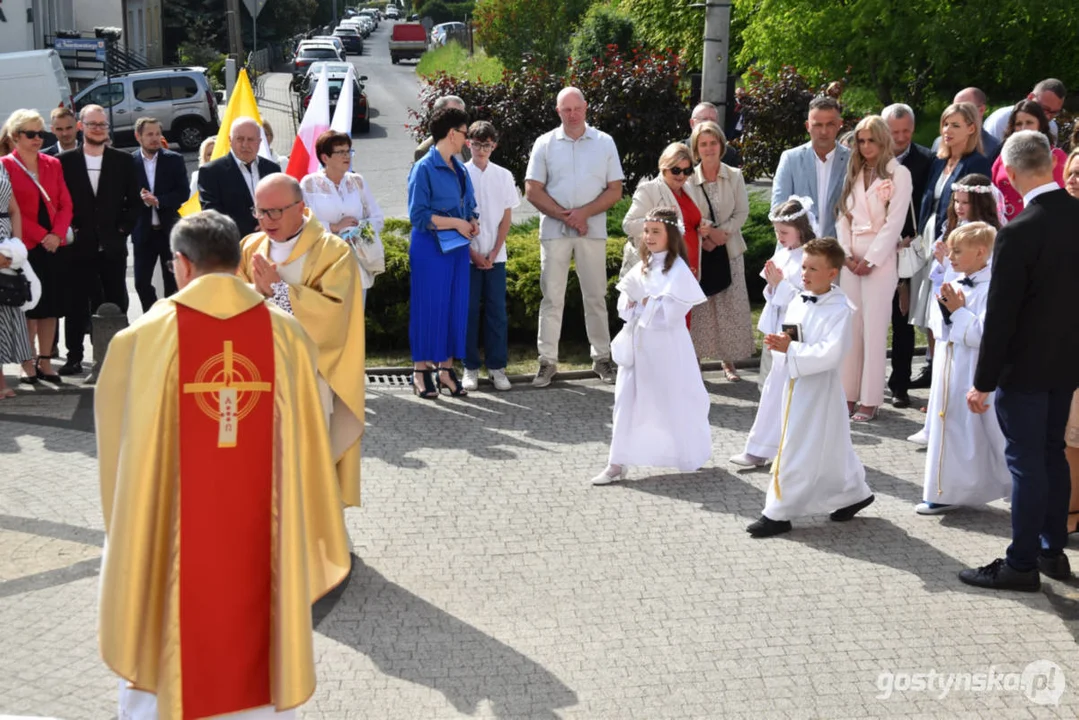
(388,300)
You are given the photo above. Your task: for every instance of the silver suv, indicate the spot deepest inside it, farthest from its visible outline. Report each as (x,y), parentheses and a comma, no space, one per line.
(180,97)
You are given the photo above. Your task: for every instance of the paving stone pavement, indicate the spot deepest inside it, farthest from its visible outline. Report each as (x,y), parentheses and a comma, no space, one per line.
(492,581)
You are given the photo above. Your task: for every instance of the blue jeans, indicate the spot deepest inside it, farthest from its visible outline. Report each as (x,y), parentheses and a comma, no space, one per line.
(1033,424)
(488,288)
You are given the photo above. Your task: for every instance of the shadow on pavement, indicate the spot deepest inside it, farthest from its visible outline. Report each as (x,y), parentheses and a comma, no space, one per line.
(411,639)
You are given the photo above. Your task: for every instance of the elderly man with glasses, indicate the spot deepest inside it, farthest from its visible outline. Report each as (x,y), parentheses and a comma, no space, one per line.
(228,183)
(312,274)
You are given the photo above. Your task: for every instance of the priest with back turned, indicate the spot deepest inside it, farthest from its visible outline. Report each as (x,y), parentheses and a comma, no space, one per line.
(222,509)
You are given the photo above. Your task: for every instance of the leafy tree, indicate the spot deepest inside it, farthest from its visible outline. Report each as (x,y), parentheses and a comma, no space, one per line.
(603,26)
(516,30)
(907,50)
(669,24)
(441,12)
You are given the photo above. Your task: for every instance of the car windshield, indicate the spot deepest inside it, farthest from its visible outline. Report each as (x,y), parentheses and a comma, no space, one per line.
(345,31)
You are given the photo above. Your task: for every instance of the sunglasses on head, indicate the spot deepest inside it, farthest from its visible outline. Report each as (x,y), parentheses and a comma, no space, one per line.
(681,171)
(33,134)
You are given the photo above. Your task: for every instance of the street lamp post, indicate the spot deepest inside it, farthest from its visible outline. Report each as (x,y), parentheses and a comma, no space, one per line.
(717,30)
(110,35)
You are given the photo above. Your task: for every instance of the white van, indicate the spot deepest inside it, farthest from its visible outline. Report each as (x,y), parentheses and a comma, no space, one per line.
(33,79)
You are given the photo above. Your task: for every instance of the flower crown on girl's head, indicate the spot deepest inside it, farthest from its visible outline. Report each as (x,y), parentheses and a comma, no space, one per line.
(980,189)
(806,204)
(654,216)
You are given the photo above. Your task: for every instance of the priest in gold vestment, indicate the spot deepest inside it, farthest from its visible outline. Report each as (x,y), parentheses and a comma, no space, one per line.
(222,508)
(313,275)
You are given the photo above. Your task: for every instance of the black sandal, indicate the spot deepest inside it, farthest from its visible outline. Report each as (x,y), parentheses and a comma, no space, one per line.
(456,390)
(430,385)
(53,378)
(34,379)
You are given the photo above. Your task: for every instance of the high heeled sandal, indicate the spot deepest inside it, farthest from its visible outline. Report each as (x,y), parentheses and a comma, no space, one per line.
(34,379)
(430,384)
(863,416)
(53,377)
(456,390)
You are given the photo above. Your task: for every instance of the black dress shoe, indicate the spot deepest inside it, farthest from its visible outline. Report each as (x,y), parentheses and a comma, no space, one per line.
(924,379)
(766,527)
(71,367)
(999,575)
(1057,567)
(847,513)
(900,399)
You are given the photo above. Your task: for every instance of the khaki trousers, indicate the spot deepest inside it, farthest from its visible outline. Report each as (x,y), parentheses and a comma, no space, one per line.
(590,257)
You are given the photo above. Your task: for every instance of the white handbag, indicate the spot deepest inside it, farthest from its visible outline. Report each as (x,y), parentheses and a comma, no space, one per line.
(622,351)
(909,260)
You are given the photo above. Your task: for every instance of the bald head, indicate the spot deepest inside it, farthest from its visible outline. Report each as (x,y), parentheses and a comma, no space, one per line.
(572,109)
(279,206)
(245,137)
(974,96)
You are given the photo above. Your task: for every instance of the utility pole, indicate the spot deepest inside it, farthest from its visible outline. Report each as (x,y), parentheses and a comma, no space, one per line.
(236,43)
(717,43)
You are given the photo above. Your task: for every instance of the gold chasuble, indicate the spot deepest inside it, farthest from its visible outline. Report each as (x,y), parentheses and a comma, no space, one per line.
(222,511)
(326,292)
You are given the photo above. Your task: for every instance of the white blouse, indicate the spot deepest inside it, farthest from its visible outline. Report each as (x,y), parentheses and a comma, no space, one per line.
(351,198)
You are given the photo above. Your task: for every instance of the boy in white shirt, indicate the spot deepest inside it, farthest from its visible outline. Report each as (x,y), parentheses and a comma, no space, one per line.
(496,196)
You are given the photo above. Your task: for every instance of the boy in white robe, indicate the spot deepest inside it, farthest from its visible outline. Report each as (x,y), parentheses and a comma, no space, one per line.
(965,463)
(815,469)
(660,402)
(783,274)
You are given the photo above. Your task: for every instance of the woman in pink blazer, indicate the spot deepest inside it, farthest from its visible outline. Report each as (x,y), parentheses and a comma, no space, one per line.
(871,212)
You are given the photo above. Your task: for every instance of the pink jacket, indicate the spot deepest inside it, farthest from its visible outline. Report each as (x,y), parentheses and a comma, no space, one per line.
(880,212)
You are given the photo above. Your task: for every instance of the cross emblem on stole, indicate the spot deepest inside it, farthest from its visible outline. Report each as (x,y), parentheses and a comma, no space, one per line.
(236,382)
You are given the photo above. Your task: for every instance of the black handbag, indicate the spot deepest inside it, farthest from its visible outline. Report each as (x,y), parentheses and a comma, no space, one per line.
(14,289)
(715,265)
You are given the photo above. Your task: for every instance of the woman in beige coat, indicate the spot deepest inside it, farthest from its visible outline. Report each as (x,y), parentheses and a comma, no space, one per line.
(722,327)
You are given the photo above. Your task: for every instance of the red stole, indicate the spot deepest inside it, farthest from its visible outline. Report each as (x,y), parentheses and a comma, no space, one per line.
(226,510)
(691,219)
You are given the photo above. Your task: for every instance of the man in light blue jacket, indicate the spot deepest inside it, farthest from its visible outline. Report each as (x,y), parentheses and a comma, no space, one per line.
(818,168)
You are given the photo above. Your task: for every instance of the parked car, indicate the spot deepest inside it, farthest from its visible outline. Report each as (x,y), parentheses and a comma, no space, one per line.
(363,27)
(323,44)
(361,120)
(351,39)
(332,68)
(179,97)
(407,40)
(373,14)
(392,12)
(333,40)
(444,32)
(33,79)
(308,55)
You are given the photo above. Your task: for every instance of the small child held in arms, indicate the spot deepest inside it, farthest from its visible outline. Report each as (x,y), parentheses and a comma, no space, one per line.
(973,200)
(965,464)
(496,196)
(660,403)
(815,469)
(783,273)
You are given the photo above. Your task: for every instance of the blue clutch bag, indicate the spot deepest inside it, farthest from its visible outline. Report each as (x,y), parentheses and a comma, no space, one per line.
(450,240)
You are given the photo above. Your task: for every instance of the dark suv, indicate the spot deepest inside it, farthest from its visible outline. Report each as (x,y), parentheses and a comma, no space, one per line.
(350,39)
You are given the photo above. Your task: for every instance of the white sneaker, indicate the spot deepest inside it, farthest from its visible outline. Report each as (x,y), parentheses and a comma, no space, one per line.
(924,508)
(498,377)
(747,460)
(610,475)
(471,380)
(919,438)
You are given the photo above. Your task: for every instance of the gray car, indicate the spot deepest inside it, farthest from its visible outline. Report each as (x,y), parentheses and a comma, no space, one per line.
(179,97)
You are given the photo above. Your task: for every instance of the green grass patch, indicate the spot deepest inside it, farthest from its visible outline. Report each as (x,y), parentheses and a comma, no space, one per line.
(454,60)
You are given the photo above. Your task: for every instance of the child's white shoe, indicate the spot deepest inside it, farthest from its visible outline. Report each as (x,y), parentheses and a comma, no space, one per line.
(610,474)
(919,438)
(749,461)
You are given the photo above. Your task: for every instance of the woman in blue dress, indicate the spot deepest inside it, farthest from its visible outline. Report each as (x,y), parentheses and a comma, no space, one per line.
(442,208)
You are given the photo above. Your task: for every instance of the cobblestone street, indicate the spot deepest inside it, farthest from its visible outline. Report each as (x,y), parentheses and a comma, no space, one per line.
(491,580)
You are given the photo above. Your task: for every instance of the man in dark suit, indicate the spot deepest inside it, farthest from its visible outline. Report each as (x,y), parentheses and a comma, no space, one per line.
(64,126)
(228,183)
(918,160)
(1030,356)
(105,200)
(163,188)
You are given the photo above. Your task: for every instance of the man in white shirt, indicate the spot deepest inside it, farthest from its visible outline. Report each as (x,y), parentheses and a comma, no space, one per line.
(1049,93)
(574,176)
(816,169)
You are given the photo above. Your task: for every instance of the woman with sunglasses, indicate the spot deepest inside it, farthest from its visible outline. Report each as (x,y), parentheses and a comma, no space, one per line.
(343,202)
(670,189)
(37,183)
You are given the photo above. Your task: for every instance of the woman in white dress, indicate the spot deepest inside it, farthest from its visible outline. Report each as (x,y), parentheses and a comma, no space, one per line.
(660,404)
(342,201)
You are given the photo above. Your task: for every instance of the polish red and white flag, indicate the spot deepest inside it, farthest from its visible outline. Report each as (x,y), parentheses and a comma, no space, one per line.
(316,120)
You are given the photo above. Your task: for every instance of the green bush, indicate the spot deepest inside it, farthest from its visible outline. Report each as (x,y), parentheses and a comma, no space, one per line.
(453,59)
(602,28)
(388,301)
(441,12)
